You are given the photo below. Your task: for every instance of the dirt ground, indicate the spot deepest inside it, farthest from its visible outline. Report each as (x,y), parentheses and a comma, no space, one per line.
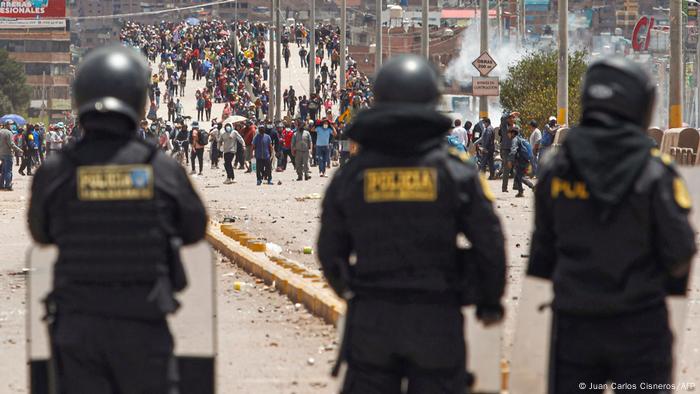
(255,325)
(266,343)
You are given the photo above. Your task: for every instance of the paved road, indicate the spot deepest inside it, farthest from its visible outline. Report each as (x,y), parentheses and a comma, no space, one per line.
(295,76)
(267,350)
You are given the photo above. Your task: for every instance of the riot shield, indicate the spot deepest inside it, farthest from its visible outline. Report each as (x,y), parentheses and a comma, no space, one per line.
(193,326)
(483,353)
(530,356)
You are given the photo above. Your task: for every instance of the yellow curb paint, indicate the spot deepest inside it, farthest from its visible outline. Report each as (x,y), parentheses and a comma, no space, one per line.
(298,284)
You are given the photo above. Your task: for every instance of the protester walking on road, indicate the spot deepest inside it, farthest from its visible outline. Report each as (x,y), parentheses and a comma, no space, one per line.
(323,145)
(262,145)
(520,157)
(198,140)
(7,147)
(286,150)
(507,123)
(248,134)
(29,149)
(301,148)
(214,134)
(227,144)
(487,145)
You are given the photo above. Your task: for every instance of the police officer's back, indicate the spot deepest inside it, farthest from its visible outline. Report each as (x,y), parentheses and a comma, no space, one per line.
(612,233)
(387,243)
(117,208)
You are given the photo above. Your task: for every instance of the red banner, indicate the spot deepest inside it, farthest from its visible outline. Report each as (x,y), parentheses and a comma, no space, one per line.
(32,9)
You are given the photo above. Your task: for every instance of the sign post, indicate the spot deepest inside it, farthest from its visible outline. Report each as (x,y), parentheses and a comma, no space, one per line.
(485,64)
(485,86)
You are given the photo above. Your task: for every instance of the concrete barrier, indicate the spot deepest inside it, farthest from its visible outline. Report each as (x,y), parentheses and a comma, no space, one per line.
(682,144)
(656,134)
(298,283)
(560,137)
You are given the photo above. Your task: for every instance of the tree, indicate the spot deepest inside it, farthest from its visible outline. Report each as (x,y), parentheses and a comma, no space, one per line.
(14,92)
(530,86)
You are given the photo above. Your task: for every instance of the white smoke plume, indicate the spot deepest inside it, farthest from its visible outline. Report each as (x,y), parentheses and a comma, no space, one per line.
(506,53)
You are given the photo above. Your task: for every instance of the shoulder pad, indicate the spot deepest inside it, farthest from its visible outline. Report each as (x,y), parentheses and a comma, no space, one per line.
(680,191)
(663,157)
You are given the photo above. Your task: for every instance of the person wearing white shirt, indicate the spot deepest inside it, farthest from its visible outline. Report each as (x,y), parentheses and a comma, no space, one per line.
(461,133)
(535,139)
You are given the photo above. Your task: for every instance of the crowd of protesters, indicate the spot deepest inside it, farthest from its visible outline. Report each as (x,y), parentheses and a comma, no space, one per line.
(28,145)
(230,59)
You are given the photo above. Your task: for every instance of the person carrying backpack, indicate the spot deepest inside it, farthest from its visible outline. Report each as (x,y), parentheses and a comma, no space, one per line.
(520,159)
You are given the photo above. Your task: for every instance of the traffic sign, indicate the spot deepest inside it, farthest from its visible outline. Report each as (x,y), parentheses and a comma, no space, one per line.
(485,64)
(485,86)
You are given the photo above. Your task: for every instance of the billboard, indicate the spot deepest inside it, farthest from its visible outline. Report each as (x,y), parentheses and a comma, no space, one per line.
(23,14)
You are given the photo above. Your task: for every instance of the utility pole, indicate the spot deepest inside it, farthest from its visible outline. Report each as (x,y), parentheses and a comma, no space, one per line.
(278,61)
(43,97)
(425,39)
(563,70)
(522,32)
(274,65)
(675,99)
(483,100)
(312,49)
(697,82)
(343,41)
(235,31)
(499,20)
(378,39)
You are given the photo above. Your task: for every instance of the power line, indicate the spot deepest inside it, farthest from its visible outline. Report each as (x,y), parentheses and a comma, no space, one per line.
(158,12)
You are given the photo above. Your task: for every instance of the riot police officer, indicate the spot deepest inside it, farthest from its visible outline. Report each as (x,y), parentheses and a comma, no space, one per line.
(391,216)
(118,209)
(612,234)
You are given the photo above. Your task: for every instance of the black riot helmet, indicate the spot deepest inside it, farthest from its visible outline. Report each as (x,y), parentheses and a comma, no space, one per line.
(407,79)
(112,80)
(619,88)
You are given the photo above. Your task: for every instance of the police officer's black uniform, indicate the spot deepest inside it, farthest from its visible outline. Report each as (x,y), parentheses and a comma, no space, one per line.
(117,208)
(387,243)
(612,233)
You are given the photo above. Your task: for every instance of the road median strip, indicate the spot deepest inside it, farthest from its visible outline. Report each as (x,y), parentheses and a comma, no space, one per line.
(292,279)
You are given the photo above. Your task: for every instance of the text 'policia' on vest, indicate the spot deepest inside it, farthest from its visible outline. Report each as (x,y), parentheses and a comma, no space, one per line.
(118,210)
(391,217)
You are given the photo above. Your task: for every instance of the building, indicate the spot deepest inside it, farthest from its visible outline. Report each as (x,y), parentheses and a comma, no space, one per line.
(91,33)
(538,16)
(627,16)
(46,56)
(444,45)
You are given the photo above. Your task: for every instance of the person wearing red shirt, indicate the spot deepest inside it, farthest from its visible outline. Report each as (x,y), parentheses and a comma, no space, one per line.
(286,137)
(207,106)
(248,135)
